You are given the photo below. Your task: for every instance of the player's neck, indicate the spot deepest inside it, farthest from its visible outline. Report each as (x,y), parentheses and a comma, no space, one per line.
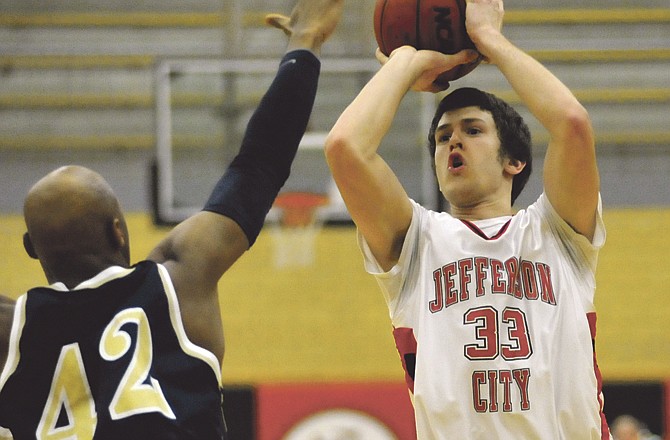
(73,270)
(481,211)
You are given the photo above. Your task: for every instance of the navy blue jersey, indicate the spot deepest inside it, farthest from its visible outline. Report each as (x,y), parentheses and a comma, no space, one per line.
(108,360)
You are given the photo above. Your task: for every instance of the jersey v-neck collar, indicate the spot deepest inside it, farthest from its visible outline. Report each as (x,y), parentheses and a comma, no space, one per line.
(479,226)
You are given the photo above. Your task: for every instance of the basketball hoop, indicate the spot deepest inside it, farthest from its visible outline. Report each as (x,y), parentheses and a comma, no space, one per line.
(294,234)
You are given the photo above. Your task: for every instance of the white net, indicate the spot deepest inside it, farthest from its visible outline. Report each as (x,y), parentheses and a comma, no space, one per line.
(294,234)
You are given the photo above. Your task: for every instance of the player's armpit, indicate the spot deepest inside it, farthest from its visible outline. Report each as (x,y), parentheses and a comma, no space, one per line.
(201,249)
(6,318)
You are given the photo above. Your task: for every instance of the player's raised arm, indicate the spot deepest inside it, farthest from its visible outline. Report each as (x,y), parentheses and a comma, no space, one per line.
(373,194)
(199,250)
(571,179)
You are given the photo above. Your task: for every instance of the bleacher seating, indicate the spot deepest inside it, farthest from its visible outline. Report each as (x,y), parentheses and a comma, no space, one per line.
(101,61)
(82,78)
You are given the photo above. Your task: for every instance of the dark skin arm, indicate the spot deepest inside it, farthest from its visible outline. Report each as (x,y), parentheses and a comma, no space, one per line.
(196,253)
(202,248)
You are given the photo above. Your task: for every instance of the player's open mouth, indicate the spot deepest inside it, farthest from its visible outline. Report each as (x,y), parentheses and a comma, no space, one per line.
(455,161)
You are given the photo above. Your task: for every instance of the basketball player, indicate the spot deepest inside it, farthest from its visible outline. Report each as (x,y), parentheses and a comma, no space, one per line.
(627,427)
(492,309)
(114,351)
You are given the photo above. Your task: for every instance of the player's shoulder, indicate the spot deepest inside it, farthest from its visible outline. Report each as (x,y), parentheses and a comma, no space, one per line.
(423,214)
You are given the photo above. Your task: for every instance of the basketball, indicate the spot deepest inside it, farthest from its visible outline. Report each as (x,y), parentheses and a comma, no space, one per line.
(424,24)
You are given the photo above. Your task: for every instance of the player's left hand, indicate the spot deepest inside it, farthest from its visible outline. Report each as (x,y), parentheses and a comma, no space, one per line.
(429,65)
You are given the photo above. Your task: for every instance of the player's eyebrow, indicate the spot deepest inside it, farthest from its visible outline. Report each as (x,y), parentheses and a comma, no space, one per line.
(444,128)
(465,121)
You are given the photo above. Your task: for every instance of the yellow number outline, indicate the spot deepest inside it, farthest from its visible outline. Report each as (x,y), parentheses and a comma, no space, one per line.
(69,387)
(133,395)
(137,392)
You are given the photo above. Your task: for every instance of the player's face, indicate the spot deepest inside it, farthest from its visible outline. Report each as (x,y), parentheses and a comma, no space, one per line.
(468,163)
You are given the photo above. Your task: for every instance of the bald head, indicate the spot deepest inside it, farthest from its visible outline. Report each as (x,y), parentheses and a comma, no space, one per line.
(73,220)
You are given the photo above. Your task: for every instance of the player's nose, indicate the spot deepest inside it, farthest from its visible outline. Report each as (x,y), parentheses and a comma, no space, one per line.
(455,142)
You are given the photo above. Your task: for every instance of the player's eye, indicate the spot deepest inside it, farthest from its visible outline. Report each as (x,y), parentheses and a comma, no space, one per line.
(443,137)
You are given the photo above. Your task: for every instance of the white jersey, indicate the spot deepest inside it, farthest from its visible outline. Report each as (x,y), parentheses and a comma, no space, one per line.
(496,331)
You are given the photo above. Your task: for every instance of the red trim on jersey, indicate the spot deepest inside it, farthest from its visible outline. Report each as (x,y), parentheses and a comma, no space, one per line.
(479,232)
(405,342)
(605,431)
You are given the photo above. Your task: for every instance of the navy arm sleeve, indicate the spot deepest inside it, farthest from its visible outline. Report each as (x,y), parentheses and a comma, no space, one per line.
(249,186)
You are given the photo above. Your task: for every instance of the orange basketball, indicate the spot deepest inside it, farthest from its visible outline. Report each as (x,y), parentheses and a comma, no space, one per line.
(424,24)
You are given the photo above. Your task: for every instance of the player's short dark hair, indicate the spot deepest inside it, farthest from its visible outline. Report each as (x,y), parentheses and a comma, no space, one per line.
(514,135)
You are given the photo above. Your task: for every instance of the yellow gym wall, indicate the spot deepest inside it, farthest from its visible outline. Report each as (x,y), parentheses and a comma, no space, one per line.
(329,322)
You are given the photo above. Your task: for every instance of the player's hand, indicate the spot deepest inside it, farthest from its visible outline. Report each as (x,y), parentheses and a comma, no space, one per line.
(311,22)
(428,65)
(483,19)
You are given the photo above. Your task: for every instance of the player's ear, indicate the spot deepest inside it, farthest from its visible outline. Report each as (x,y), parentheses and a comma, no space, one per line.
(28,246)
(514,166)
(117,234)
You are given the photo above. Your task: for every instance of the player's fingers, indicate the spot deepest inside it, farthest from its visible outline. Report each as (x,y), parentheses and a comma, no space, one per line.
(381,57)
(439,86)
(279,21)
(467,56)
